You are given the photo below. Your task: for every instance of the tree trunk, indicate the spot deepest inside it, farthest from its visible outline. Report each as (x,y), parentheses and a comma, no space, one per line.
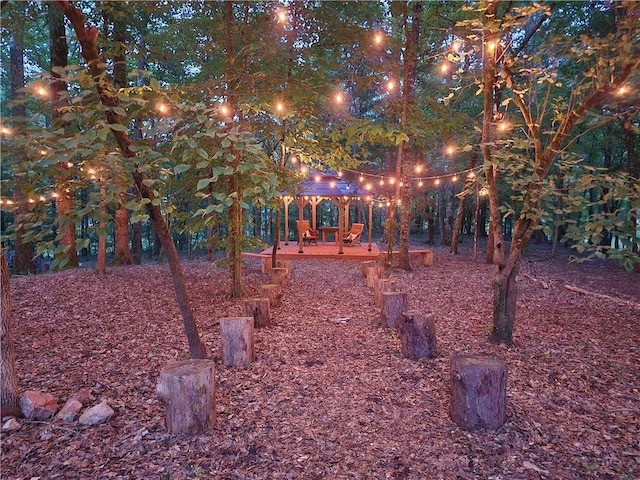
(87,39)
(122,254)
(58,51)
(9,396)
(136,243)
(24,252)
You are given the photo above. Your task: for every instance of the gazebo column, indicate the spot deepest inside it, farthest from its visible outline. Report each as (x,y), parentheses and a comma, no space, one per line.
(287,201)
(300,218)
(370,203)
(314,201)
(346,216)
(340,225)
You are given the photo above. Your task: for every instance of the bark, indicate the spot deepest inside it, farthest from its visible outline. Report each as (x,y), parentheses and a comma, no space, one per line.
(457,227)
(87,38)
(122,254)
(9,396)
(24,252)
(59,51)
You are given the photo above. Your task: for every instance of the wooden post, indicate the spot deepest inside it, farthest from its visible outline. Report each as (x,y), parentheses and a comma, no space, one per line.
(279,276)
(266,264)
(393,304)
(366,265)
(374,274)
(380,286)
(236,335)
(259,309)
(285,264)
(187,389)
(273,292)
(479,386)
(417,335)
(426,256)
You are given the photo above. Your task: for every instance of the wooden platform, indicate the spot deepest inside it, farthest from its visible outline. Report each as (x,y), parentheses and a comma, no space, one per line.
(327,250)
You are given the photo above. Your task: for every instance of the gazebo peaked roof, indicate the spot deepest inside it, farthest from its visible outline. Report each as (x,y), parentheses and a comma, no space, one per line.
(328,185)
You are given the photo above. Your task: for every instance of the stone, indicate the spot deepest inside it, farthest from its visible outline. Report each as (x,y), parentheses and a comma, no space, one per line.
(70,411)
(37,405)
(11,425)
(83,395)
(97,414)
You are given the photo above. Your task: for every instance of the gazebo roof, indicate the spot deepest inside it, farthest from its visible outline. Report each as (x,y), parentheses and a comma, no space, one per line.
(329,185)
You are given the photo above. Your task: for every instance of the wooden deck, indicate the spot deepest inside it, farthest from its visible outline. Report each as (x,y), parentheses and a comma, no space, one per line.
(327,250)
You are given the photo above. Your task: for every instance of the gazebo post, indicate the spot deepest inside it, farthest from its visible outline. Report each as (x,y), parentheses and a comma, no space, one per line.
(300,218)
(314,204)
(341,204)
(370,203)
(287,202)
(346,216)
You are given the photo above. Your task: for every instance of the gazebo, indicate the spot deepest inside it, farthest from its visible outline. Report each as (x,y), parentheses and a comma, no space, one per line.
(326,186)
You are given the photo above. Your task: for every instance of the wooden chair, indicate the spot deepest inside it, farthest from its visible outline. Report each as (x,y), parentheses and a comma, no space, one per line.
(353,236)
(308,236)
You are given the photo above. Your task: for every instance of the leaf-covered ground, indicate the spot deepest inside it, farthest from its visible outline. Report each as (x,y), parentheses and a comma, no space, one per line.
(327,400)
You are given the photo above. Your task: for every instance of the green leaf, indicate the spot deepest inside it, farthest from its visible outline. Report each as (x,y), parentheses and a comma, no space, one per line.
(203,183)
(118,127)
(181,168)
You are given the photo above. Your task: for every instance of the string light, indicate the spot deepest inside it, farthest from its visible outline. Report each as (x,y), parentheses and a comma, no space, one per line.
(162,107)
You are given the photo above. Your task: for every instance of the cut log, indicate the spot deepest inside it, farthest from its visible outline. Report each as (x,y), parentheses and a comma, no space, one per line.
(236,337)
(426,257)
(479,387)
(374,274)
(366,265)
(187,389)
(266,264)
(417,335)
(273,292)
(393,304)
(381,286)
(279,276)
(285,264)
(260,310)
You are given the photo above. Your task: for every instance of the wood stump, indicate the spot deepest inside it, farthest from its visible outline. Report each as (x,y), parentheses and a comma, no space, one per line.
(374,274)
(187,389)
(279,276)
(273,292)
(266,264)
(366,265)
(260,310)
(381,286)
(426,257)
(392,306)
(285,264)
(417,335)
(479,386)
(236,335)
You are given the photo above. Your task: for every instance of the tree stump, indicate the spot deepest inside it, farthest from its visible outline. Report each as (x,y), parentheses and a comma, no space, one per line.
(381,286)
(259,309)
(417,335)
(426,257)
(266,264)
(279,276)
(285,264)
(479,386)
(236,335)
(366,265)
(187,389)
(374,274)
(273,292)
(392,306)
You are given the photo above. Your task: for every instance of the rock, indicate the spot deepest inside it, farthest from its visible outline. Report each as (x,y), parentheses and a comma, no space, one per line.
(97,414)
(83,396)
(11,425)
(70,411)
(37,405)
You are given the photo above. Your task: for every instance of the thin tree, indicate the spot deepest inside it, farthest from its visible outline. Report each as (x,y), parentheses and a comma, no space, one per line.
(108,96)
(9,393)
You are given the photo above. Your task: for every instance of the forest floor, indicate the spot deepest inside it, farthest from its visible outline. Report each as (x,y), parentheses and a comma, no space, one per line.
(327,400)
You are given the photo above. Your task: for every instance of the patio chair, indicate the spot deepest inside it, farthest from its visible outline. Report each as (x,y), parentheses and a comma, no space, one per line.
(353,236)
(308,235)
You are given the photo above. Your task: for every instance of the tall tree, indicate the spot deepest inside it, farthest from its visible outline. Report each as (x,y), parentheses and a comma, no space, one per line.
(504,69)
(9,393)
(108,96)
(64,199)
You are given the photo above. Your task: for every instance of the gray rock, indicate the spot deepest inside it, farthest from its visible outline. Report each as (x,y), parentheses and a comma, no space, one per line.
(11,425)
(37,405)
(70,411)
(97,414)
